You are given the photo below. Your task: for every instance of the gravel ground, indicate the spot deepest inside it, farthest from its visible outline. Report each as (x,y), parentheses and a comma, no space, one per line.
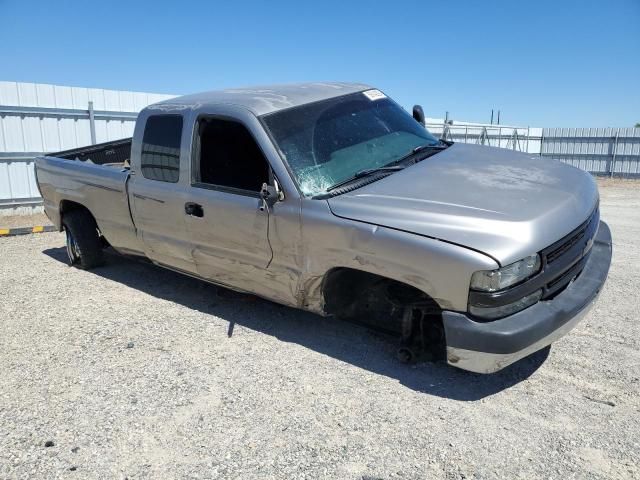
(130,371)
(15,221)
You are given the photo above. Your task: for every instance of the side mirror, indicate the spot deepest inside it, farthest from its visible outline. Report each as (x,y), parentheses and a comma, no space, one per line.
(418,115)
(269,194)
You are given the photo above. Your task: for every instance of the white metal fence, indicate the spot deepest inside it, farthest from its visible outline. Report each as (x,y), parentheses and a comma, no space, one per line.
(37,118)
(521,139)
(602,151)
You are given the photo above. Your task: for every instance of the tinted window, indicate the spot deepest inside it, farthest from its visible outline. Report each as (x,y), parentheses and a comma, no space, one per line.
(161,148)
(230,157)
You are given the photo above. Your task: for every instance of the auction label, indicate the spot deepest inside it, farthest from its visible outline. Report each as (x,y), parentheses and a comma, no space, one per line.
(374,94)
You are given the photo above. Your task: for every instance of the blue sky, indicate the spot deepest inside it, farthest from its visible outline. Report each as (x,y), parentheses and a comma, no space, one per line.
(542,63)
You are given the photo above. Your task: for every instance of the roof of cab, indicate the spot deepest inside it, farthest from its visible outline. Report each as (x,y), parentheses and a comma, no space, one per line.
(266,99)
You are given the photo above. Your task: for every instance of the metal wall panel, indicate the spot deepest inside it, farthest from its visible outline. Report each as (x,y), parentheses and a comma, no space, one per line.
(602,151)
(521,139)
(29,131)
(5,184)
(17,179)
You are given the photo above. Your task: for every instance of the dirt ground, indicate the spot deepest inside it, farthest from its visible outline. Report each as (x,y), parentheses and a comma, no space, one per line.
(130,371)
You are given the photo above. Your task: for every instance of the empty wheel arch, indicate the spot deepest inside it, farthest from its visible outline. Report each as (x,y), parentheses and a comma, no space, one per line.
(387,305)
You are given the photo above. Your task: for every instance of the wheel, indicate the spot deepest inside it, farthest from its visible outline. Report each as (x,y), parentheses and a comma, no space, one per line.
(84,246)
(73,252)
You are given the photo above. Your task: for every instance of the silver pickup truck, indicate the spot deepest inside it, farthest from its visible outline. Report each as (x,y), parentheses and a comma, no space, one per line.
(330,197)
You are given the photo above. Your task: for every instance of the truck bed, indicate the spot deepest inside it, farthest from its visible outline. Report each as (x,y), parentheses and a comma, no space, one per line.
(112,154)
(94,177)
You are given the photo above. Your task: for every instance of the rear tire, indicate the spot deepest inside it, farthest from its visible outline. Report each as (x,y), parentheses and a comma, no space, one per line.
(84,246)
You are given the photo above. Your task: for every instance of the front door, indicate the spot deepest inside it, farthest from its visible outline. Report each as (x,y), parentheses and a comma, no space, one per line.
(229,234)
(225,216)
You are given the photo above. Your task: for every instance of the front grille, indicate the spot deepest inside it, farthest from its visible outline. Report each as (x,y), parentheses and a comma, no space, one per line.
(566,258)
(556,250)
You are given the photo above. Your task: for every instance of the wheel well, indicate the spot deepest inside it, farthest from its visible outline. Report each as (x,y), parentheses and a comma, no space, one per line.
(372,298)
(67,206)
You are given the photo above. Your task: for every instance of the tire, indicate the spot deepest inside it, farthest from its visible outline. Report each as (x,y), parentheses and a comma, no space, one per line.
(84,246)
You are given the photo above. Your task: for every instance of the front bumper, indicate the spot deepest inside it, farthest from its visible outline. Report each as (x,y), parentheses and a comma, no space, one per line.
(486,347)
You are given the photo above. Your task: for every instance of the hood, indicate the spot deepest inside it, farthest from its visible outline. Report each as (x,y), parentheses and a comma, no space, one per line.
(503,203)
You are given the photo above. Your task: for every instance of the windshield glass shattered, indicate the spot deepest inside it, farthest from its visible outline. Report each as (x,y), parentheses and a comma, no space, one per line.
(328,142)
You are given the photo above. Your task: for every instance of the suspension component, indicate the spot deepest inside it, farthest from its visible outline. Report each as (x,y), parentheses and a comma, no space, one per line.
(420,336)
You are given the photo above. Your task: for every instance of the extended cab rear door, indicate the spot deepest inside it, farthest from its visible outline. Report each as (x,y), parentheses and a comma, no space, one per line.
(159,185)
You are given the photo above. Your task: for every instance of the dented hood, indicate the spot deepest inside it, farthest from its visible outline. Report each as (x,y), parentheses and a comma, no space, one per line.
(500,202)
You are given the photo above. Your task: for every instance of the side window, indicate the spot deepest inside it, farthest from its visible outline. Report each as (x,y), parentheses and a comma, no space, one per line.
(161,148)
(229,156)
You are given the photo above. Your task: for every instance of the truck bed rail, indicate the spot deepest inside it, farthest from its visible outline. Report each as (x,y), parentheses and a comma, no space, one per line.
(114,152)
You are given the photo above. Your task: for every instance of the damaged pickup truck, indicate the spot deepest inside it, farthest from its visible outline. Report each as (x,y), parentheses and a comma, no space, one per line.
(331,198)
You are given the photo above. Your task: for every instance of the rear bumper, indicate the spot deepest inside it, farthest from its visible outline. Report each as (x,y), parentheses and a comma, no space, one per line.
(486,347)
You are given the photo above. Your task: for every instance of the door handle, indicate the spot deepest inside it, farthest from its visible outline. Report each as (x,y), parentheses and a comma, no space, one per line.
(193,209)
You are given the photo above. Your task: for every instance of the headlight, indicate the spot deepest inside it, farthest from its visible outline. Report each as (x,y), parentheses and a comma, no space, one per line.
(493,280)
(492,313)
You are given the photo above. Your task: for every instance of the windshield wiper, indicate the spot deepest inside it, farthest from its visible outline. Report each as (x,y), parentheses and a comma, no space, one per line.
(421,148)
(366,173)
(386,168)
(391,167)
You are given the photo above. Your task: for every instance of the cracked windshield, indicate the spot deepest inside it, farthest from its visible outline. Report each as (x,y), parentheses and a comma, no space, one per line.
(328,142)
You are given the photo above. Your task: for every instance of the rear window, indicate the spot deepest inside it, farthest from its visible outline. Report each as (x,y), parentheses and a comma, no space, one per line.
(161,148)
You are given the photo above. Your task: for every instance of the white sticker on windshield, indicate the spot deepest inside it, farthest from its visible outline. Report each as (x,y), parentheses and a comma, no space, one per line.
(374,94)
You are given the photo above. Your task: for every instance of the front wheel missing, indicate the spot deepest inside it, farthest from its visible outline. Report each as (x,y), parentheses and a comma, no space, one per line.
(422,336)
